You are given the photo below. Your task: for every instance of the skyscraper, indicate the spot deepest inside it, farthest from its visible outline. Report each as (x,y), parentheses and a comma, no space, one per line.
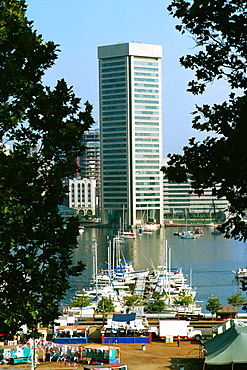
(89,162)
(130,91)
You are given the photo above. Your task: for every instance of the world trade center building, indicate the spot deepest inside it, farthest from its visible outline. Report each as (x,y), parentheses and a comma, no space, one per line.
(130,113)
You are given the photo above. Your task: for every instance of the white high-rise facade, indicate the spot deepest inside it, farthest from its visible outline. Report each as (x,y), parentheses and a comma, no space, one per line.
(130,97)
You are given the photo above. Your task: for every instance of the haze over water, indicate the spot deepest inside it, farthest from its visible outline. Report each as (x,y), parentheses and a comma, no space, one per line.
(208,261)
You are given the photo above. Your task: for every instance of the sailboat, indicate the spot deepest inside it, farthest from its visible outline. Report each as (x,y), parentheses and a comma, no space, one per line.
(188,234)
(126,234)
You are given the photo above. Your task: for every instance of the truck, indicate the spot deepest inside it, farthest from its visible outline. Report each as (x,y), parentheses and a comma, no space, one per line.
(178,328)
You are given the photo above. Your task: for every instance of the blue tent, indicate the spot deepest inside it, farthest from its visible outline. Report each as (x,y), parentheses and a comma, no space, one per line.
(120,317)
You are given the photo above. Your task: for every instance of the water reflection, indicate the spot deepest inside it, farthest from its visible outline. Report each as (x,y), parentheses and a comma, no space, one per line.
(208,261)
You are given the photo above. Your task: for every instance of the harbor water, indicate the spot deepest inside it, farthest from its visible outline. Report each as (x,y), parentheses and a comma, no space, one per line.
(207,261)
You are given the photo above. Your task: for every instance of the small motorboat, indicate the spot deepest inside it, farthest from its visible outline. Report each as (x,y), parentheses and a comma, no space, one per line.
(189,235)
(241,273)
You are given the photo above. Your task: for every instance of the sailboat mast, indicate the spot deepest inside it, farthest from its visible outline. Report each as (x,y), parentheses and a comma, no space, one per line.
(123,219)
(96,267)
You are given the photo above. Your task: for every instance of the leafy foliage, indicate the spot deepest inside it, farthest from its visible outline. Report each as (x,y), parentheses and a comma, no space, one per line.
(105,305)
(158,303)
(213,304)
(219,30)
(236,299)
(184,298)
(81,300)
(133,300)
(44,128)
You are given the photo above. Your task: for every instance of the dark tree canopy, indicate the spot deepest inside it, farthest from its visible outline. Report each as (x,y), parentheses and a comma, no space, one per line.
(44,128)
(219,29)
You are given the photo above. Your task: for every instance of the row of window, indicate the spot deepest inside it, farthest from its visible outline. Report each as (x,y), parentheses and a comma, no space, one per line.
(116,107)
(146,151)
(114,173)
(110,64)
(148,189)
(147,118)
(146,134)
(144,205)
(123,140)
(146,80)
(121,191)
(123,124)
(114,113)
(146,69)
(111,107)
(119,134)
(148,178)
(109,151)
(148,167)
(119,157)
(142,139)
(105,184)
(146,107)
(138,200)
(147,172)
(117,203)
(115,96)
(109,102)
(110,81)
(113,74)
(140,63)
(147,183)
(147,91)
(113,69)
(147,128)
(146,85)
(146,96)
(80,186)
(121,118)
(146,74)
(117,85)
(112,91)
(147,101)
(138,145)
(115,178)
(148,195)
(112,146)
(111,129)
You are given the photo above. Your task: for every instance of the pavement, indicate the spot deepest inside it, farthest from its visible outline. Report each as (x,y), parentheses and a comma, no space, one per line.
(155,356)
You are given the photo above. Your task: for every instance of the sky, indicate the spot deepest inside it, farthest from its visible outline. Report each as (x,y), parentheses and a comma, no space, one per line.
(80,26)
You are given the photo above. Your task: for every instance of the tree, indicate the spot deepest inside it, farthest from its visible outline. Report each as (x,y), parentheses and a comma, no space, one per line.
(81,300)
(218,162)
(213,305)
(157,304)
(236,299)
(44,127)
(184,298)
(133,300)
(105,305)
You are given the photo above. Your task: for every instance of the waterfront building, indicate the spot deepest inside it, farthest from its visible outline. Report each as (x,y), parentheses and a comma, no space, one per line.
(178,201)
(66,213)
(82,196)
(130,94)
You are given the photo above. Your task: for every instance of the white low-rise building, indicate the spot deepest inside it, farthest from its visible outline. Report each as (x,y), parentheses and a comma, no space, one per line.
(82,195)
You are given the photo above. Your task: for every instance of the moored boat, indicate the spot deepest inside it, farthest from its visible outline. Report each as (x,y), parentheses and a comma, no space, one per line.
(241,273)
(189,235)
(127,235)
